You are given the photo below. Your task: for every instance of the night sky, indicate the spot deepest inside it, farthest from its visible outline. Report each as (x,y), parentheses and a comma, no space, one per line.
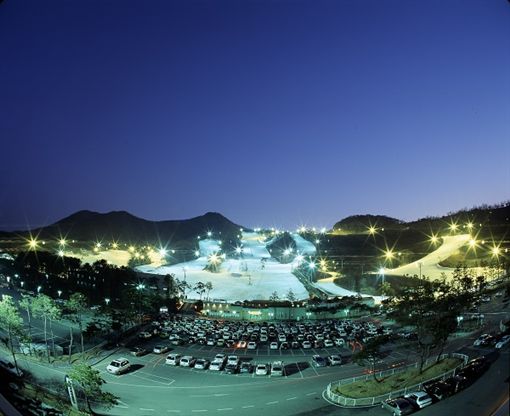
(271,112)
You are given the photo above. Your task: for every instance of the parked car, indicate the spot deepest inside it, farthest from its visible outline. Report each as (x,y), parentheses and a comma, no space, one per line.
(306,345)
(246,367)
(160,349)
(273,345)
(232,368)
(241,344)
(398,407)
(475,368)
(252,345)
(319,361)
(277,368)
(118,366)
(261,370)
(220,357)
(173,359)
(335,359)
(216,365)
(201,364)
(187,361)
(138,351)
(144,335)
(440,390)
(503,341)
(481,340)
(419,399)
(233,359)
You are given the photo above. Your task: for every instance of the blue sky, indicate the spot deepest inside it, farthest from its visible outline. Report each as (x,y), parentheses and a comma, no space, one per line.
(270,112)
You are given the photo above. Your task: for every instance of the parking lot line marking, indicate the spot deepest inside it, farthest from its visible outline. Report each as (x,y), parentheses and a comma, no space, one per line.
(313,368)
(291,398)
(144,409)
(276,401)
(173,411)
(249,406)
(225,408)
(311,394)
(199,410)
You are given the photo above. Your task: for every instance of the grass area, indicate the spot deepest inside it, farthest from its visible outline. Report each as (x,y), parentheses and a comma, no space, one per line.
(410,377)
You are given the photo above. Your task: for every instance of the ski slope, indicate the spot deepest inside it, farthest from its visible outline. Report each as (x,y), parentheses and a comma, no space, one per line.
(430,263)
(245,278)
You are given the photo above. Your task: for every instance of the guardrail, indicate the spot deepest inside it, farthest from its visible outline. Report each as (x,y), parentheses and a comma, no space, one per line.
(373,401)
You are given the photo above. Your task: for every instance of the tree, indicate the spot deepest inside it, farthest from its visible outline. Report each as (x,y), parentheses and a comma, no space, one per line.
(291,296)
(432,309)
(274,296)
(183,286)
(76,307)
(199,288)
(90,381)
(371,353)
(26,303)
(208,287)
(10,321)
(170,286)
(46,308)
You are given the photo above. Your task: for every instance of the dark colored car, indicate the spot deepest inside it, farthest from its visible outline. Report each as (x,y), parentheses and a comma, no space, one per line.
(232,368)
(440,390)
(475,368)
(246,367)
(319,361)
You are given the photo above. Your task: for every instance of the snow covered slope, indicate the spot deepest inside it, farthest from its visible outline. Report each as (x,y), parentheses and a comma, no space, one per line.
(245,278)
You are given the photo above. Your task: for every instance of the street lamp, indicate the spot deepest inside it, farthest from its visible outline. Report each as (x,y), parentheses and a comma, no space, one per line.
(107,301)
(59,292)
(22,283)
(39,289)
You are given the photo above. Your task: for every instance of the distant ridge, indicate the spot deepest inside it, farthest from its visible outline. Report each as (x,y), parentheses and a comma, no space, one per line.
(122,226)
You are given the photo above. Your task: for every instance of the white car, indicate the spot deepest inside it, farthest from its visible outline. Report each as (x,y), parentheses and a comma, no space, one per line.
(160,349)
(201,364)
(233,359)
(273,345)
(306,345)
(503,341)
(173,359)
(187,361)
(118,366)
(419,398)
(220,357)
(277,368)
(328,343)
(144,335)
(252,345)
(335,360)
(261,370)
(216,365)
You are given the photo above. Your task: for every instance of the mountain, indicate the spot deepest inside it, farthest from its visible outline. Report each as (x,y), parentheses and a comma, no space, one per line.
(124,227)
(361,223)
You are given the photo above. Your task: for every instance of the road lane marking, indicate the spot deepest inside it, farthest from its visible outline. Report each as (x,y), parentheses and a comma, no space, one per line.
(276,401)
(225,408)
(144,409)
(173,411)
(199,410)
(249,406)
(291,398)
(310,394)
